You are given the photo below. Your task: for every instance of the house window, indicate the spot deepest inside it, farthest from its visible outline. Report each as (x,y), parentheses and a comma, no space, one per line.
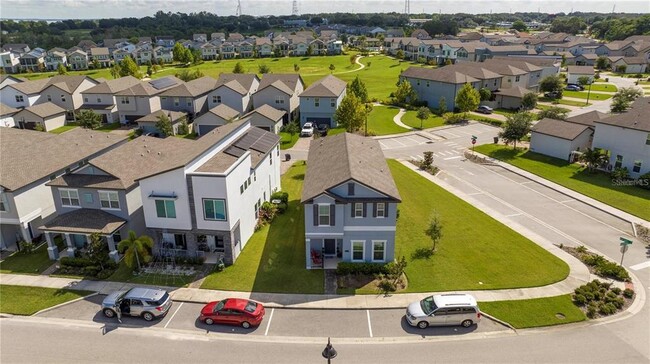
(85,99)
(241,189)
(4,205)
(427,83)
(189,102)
(332,102)
(62,98)
(19,98)
(324,215)
(358,209)
(166,209)
(418,82)
(279,100)
(637,167)
(124,100)
(495,82)
(517,78)
(177,101)
(378,251)
(88,198)
(49,97)
(647,140)
(69,197)
(214,209)
(316,102)
(99,99)
(619,161)
(357,250)
(216,99)
(180,242)
(381,209)
(109,200)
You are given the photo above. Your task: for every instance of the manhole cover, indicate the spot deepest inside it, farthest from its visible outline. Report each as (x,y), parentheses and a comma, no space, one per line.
(560,316)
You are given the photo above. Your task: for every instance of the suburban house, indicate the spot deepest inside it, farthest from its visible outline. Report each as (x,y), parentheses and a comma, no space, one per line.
(102,100)
(319,101)
(559,138)
(65,91)
(632,64)
(142,98)
(33,61)
(148,122)
(509,98)
(48,115)
(234,90)
(30,159)
(7,116)
(350,202)
(626,137)
(586,59)
(574,73)
(54,57)
(101,55)
(215,117)
(10,61)
(266,117)
(78,60)
(23,94)
(10,80)
(203,196)
(280,91)
(166,55)
(190,97)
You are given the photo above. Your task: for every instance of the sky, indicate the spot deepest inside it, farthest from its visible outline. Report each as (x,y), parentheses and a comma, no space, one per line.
(93,9)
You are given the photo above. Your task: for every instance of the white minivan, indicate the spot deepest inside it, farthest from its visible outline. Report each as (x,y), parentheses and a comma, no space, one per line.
(444,310)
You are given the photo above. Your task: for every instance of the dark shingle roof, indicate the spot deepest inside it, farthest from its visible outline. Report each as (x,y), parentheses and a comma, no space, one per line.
(44,110)
(336,159)
(635,118)
(446,77)
(559,128)
(85,221)
(113,86)
(587,118)
(284,82)
(328,86)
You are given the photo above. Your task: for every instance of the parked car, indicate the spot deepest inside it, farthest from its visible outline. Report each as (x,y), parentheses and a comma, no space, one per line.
(553,94)
(233,311)
(323,129)
(572,88)
(149,303)
(307,130)
(444,310)
(483,109)
(580,87)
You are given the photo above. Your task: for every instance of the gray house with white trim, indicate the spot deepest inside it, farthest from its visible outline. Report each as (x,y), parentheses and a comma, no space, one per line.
(319,101)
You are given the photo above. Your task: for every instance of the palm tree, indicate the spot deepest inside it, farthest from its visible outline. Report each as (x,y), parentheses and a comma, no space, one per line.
(593,158)
(135,248)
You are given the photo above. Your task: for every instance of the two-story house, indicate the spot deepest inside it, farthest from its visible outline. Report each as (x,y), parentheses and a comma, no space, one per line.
(102,100)
(101,55)
(78,60)
(350,202)
(280,91)
(626,137)
(235,91)
(54,57)
(65,91)
(203,195)
(264,47)
(10,61)
(190,97)
(319,101)
(33,61)
(166,55)
(10,80)
(142,98)
(30,159)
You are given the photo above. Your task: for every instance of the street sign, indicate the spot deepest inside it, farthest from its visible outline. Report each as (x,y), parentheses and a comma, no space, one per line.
(625,245)
(473,141)
(625,241)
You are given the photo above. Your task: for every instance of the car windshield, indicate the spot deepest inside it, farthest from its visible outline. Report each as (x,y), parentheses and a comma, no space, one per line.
(428,305)
(250,307)
(160,301)
(219,306)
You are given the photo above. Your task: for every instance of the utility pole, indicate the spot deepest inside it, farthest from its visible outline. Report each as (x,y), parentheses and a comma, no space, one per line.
(238,11)
(294,8)
(407,7)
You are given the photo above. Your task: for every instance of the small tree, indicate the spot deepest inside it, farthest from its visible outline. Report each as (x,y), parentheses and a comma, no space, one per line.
(179,53)
(399,54)
(60,69)
(183,128)
(164,125)
(353,59)
(434,231)
(621,69)
(427,162)
(187,75)
(623,98)
(115,70)
(89,119)
(442,105)
(485,93)
(351,113)
(467,98)
(423,114)
(238,68)
(550,83)
(39,127)
(332,68)
(516,127)
(128,67)
(296,68)
(602,62)
(264,68)
(292,128)
(529,101)
(405,93)
(593,158)
(554,112)
(135,249)
(584,81)
(96,64)
(358,88)
(97,250)
(519,25)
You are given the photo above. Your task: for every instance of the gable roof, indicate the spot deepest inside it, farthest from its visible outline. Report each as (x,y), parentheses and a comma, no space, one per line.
(580,70)
(112,86)
(343,157)
(238,82)
(147,88)
(515,91)
(192,88)
(268,112)
(153,117)
(66,83)
(7,110)
(287,82)
(635,118)
(588,118)
(224,111)
(27,156)
(99,51)
(328,86)
(449,75)
(559,128)
(44,110)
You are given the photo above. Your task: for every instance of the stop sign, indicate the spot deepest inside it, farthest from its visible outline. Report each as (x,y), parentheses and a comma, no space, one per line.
(473,141)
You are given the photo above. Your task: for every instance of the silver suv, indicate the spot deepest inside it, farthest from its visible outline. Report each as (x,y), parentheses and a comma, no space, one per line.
(444,310)
(149,303)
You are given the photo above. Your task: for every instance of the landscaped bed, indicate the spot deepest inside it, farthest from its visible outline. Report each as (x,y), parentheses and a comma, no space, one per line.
(596,185)
(23,300)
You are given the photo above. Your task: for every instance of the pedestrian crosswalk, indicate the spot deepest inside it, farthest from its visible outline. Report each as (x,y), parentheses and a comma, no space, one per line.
(455,152)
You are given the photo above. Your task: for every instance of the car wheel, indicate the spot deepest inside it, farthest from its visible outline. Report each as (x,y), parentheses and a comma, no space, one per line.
(423,324)
(147,316)
(209,321)
(466,323)
(245,325)
(109,313)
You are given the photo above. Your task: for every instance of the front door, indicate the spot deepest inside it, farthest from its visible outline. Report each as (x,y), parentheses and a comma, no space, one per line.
(211,244)
(330,247)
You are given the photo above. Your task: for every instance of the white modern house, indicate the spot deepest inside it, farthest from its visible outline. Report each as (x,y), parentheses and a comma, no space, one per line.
(234,90)
(280,91)
(203,196)
(319,101)
(558,138)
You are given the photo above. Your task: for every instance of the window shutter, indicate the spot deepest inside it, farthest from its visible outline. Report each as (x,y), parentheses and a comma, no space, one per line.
(350,189)
(315,215)
(353,208)
(374,209)
(364,210)
(332,215)
(386,209)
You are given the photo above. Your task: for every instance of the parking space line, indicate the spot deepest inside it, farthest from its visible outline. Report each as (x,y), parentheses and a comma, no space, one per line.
(456,157)
(266,332)
(174,314)
(369,325)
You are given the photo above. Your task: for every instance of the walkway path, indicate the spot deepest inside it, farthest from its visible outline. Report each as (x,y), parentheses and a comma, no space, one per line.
(397,119)
(490,116)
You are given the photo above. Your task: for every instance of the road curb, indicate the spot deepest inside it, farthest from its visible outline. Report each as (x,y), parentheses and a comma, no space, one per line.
(64,303)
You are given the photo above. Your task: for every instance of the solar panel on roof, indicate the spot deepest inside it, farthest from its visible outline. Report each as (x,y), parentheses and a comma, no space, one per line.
(265,143)
(162,83)
(235,151)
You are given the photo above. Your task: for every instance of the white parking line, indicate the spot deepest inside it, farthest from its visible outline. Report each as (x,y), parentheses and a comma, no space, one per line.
(266,332)
(449,143)
(513,215)
(174,314)
(369,325)
(417,142)
(456,157)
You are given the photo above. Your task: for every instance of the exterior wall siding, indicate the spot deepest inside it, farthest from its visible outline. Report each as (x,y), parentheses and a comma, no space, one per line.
(629,143)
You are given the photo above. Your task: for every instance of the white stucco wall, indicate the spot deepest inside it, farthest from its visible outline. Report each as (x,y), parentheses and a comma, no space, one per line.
(629,143)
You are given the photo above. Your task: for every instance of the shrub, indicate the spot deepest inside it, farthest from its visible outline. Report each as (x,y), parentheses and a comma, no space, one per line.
(91,270)
(267,212)
(591,311)
(346,268)
(579,300)
(644,181)
(581,249)
(628,293)
(616,290)
(280,195)
(27,247)
(620,173)
(451,118)
(607,309)
(612,270)
(386,285)
(75,262)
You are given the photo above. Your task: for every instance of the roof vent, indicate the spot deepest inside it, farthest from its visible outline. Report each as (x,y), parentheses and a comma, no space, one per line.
(148,151)
(159,153)
(141,155)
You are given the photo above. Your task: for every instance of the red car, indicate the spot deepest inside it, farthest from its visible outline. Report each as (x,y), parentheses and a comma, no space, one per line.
(233,311)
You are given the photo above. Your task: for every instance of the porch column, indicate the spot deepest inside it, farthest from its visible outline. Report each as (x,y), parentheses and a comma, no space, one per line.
(88,239)
(112,252)
(52,249)
(24,233)
(307,254)
(71,247)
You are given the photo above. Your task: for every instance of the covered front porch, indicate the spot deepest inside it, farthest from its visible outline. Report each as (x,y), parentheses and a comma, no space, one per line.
(323,252)
(77,227)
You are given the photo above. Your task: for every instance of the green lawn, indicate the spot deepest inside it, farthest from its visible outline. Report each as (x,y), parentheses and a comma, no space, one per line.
(125,274)
(287,141)
(64,128)
(631,199)
(476,251)
(536,312)
(24,300)
(583,95)
(600,87)
(33,263)
(273,260)
(108,127)
(410,119)
(546,107)
(564,102)
(380,121)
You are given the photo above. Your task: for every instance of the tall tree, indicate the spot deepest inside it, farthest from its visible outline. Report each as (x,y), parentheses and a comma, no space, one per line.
(128,67)
(550,83)
(358,88)
(351,113)
(97,251)
(602,62)
(178,53)
(135,249)
(516,127)
(434,230)
(442,105)
(467,98)
(164,125)
(519,25)
(485,93)
(405,93)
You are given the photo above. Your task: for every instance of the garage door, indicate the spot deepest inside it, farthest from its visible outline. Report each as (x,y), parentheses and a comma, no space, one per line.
(319,121)
(204,129)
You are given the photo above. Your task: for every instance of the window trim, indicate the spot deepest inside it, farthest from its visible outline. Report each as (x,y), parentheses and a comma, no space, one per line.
(358,205)
(164,201)
(383,210)
(108,194)
(214,207)
(637,165)
(68,190)
(4,202)
(320,214)
(383,242)
(363,250)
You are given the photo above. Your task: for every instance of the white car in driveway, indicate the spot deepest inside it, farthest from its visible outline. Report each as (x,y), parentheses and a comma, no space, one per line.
(307,130)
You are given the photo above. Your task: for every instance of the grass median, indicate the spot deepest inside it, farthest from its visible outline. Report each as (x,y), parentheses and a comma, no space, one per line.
(380,121)
(537,312)
(26,300)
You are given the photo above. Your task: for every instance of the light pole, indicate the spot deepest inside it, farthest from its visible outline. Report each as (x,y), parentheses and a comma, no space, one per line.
(588,93)
(329,352)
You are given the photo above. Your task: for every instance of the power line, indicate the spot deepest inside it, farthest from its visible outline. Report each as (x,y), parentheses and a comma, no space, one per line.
(294,9)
